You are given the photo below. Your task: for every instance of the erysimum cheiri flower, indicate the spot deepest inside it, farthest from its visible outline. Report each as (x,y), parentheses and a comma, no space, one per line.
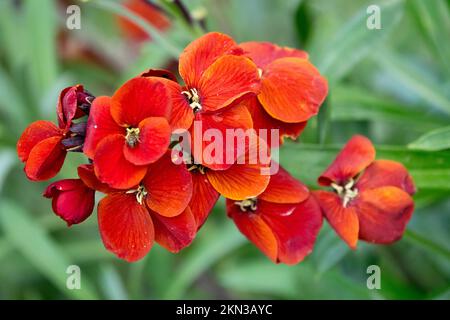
(371,199)
(282,222)
(43,145)
(128,131)
(292,89)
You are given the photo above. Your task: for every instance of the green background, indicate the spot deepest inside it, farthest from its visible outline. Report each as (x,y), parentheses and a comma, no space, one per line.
(392,85)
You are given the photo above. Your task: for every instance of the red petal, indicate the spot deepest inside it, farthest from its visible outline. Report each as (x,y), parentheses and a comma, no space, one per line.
(204,197)
(356,155)
(154,139)
(125,226)
(72,200)
(67,108)
(159,73)
(33,134)
(383,214)
(383,173)
(283,188)
(175,233)
(220,153)
(226,80)
(263,121)
(201,53)
(45,159)
(87,175)
(343,220)
(169,187)
(100,124)
(112,168)
(263,53)
(138,99)
(292,89)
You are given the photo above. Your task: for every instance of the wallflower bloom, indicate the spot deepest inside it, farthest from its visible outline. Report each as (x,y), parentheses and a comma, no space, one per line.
(292,89)
(282,222)
(128,131)
(43,146)
(371,199)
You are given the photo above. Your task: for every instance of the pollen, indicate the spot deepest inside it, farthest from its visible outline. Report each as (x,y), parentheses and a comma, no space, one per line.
(197,168)
(193,99)
(132,137)
(247,204)
(348,192)
(141,193)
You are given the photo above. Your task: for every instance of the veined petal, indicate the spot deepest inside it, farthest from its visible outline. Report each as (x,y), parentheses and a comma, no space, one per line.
(87,175)
(292,90)
(204,197)
(383,173)
(67,108)
(383,214)
(45,159)
(283,188)
(201,53)
(344,220)
(226,80)
(125,226)
(138,99)
(175,233)
(72,200)
(356,155)
(154,139)
(33,134)
(263,53)
(169,187)
(100,125)
(111,166)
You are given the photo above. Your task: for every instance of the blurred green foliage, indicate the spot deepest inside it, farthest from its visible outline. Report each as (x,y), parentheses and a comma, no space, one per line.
(392,85)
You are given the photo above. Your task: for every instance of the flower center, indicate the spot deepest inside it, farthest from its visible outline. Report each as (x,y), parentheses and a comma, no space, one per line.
(347,192)
(140,192)
(247,204)
(197,167)
(132,137)
(193,99)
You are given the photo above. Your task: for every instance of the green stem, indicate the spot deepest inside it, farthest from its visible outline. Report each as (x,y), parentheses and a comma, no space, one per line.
(156,35)
(416,238)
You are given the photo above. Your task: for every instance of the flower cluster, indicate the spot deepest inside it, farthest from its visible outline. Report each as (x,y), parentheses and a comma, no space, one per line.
(153,149)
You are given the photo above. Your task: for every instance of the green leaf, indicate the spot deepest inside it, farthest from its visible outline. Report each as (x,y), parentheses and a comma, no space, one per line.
(40,250)
(435,140)
(355,41)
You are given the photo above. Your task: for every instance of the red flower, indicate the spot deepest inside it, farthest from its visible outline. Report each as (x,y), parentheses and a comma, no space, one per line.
(371,199)
(155,210)
(72,200)
(292,89)
(43,146)
(282,222)
(128,131)
(215,77)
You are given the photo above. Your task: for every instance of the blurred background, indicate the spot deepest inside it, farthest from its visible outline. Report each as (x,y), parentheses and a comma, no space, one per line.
(392,85)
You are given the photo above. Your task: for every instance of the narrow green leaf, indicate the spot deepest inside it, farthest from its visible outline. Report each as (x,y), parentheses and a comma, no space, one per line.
(40,250)
(435,140)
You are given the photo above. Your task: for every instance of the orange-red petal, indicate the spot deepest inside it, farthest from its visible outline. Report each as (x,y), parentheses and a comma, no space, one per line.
(263,53)
(100,124)
(45,159)
(204,197)
(111,166)
(138,99)
(33,134)
(154,139)
(292,89)
(125,226)
(283,188)
(383,173)
(226,80)
(169,187)
(201,53)
(343,220)
(87,175)
(175,233)
(356,155)
(383,214)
